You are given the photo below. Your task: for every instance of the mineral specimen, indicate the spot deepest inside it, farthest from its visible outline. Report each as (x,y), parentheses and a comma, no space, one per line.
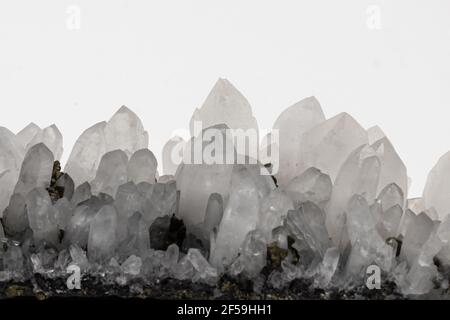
(220,218)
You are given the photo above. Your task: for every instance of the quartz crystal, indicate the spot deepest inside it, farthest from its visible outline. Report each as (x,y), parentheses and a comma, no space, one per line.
(124,131)
(240,215)
(25,135)
(225,105)
(102,235)
(208,178)
(12,154)
(358,175)
(435,194)
(112,172)
(42,216)
(291,124)
(392,169)
(86,154)
(36,169)
(52,138)
(328,145)
(142,167)
(311,185)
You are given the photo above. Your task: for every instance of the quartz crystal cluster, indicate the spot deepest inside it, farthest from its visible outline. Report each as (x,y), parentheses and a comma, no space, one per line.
(336,207)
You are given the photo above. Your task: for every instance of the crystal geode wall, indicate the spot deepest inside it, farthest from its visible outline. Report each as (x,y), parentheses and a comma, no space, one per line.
(331,205)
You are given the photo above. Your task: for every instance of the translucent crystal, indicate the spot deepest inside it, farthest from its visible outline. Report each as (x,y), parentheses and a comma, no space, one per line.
(358,175)
(86,154)
(291,124)
(209,178)
(274,209)
(15,218)
(417,233)
(184,269)
(225,105)
(435,193)
(66,183)
(128,200)
(132,265)
(136,239)
(393,169)
(162,200)
(240,216)
(52,138)
(78,256)
(42,216)
(124,131)
(390,221)
(36,170)
(102,235)
(12,154)
(63,211)
(82,193)
(204,272)
(327,268)
(307,224)
(112,172)
(77,229)
(25,135)
(311,185)
(328,145)
(390,196)
(253,254)
(142,167)
(367,246)
(171,256)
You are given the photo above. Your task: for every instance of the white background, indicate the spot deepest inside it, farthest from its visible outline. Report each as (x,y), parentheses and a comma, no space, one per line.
(161,58)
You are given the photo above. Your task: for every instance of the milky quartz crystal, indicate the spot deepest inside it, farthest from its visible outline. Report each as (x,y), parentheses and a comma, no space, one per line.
(240,215)
(142,167)
(392,168)
(327,145)
(358,175)
(25,135)
(435,194)
(337,205)
(87,153)
(102,235)
(123,131)
(51,137)
(112,172)
(12,154)
(225,105)
(36,169)
(214,177)
(291,124)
